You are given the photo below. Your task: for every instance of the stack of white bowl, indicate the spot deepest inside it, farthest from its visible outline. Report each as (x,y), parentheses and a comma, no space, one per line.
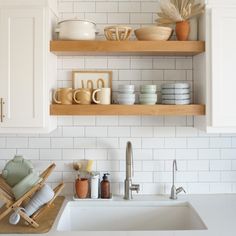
(126,95)
(148,95)
(176,94)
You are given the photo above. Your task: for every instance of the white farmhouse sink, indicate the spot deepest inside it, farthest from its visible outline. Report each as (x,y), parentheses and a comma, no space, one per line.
(129,216)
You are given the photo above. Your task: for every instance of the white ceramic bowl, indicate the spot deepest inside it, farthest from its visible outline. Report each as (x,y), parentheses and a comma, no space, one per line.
(153,33)
(148,102)
(125,96)
(148,96)
(126,89)
(126,101)
(148,89)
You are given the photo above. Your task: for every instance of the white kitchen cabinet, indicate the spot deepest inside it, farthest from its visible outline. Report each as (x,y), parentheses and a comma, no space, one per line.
(27,68)
(214,71)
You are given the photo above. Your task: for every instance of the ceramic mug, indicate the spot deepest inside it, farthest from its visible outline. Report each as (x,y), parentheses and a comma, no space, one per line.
(63,96)
(102,96)
(82,187)
(83,96)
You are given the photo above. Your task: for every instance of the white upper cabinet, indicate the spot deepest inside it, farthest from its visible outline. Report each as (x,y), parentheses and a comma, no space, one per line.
(215,72)
(26,79)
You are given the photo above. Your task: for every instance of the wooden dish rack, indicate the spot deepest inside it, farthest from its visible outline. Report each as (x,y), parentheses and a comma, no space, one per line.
(11,204)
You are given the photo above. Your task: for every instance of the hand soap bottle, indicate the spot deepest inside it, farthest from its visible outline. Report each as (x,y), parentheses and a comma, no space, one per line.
(105,187)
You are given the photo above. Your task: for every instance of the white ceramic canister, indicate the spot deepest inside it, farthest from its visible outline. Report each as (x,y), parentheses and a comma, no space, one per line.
(94,186)
(76,30)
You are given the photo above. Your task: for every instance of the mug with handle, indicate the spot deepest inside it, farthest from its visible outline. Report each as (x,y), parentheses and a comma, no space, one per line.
(63,96)
(83,96)
(103,96)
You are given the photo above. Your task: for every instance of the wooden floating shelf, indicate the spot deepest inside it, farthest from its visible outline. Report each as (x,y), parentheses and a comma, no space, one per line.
(160,48)
(126,110)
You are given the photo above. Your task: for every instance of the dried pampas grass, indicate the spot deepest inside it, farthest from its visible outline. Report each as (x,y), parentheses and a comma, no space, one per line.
(173,11)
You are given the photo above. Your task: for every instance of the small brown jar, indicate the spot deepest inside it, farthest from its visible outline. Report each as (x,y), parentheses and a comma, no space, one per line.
(81,187)
(105,187)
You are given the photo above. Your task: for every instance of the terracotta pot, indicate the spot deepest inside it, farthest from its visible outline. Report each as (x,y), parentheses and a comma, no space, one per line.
(182,30)
(81,188)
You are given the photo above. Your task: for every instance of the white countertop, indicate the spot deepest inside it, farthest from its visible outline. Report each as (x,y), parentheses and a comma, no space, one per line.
(217,211)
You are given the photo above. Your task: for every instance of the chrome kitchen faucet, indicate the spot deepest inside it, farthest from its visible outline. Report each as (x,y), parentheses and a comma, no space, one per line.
(174,191)
(129,187)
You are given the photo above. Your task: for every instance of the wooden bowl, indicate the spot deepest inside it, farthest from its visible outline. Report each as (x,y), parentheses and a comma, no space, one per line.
(153,33)
(118,33)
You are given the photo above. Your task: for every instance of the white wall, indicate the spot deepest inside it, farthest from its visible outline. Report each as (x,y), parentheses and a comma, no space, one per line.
(207,164)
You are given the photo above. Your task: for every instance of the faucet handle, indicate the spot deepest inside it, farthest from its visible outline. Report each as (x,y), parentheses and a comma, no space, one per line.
(135,187)
(179,190)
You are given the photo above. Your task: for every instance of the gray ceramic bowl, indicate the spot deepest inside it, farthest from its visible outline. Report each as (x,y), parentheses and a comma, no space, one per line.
(176,102)
(175,86)
(175,91)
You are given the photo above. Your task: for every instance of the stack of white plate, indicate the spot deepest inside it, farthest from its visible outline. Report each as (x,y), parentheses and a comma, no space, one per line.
(126,95)
(176,94)
(148,95)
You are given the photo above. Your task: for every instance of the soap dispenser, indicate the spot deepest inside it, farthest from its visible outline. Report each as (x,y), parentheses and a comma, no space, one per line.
(105,187)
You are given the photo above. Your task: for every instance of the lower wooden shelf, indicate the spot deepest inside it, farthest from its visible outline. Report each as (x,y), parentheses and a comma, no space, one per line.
(126,110)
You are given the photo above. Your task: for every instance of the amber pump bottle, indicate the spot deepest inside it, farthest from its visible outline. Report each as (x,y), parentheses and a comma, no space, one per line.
(105,187)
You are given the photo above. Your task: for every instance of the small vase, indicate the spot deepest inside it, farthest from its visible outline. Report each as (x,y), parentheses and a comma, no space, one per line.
(182,30)
(81,188)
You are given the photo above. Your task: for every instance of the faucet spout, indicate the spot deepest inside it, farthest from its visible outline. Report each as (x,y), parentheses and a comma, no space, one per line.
(129,187)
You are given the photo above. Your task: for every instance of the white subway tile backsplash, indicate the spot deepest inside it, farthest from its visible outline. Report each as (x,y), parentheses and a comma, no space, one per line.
(7,154)
(171,75)
(2,142)
(198,165)
(73,131)
(17,142)
(96,154)
(129,6)
(119,131)
(220,142)
(39,142)
(210,154)
(72,154)
(62,143)
(220,165)
(186,154)
(141,18)
(85,6)
(164,132)
(50,154)
(164,63)
(107,6)
(175,143)
(164,154)
(141,131)
(153,143)
(85,142)
(96,132)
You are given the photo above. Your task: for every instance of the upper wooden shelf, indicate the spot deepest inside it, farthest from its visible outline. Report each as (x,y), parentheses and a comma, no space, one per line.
(126,110)
(160,48)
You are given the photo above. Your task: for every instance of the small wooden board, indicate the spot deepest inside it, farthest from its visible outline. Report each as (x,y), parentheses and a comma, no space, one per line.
(45,222)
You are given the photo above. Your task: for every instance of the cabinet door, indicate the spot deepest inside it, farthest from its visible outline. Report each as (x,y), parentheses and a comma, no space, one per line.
(22,73)
(223,67)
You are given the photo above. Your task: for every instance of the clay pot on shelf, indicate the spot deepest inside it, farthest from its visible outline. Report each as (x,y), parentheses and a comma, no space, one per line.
(182,30)
(81,187)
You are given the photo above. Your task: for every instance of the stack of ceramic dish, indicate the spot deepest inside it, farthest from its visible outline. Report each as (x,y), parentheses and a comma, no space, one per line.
(148,95)
(176,94)
(126,95)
